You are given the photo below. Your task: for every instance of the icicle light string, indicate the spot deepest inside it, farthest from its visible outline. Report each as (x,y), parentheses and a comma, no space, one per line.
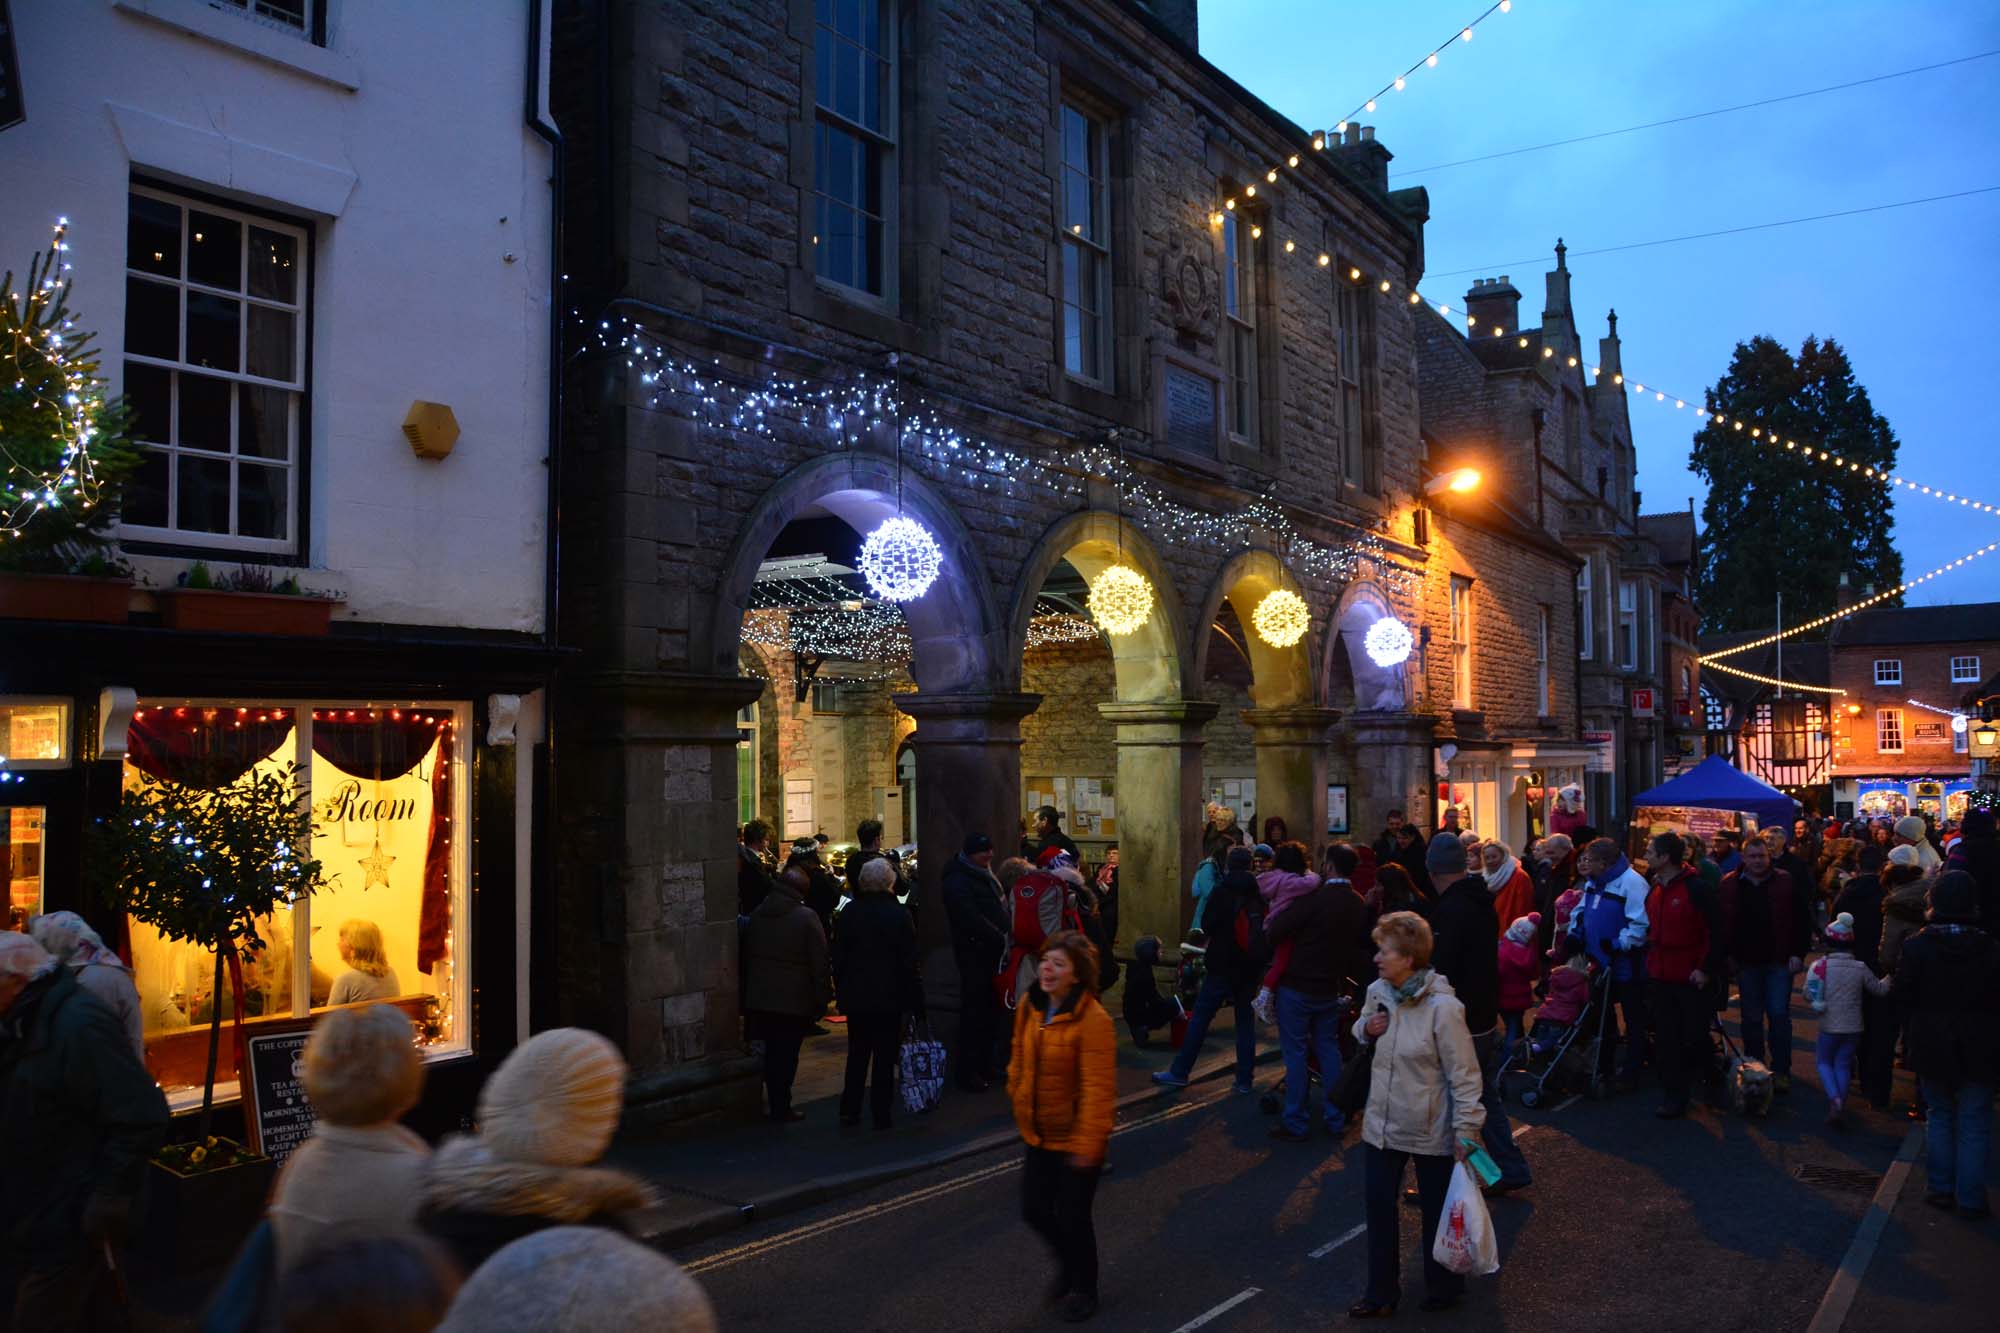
(708,397)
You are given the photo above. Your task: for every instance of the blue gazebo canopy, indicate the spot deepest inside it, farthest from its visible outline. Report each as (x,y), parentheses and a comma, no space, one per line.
(1717,784)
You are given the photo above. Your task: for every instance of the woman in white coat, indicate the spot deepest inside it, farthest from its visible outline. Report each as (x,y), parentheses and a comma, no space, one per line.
(1423,1107)
(70,940)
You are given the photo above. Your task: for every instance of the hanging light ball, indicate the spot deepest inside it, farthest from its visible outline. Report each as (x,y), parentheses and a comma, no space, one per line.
(901,560)
(1282,618)
(1121,600)
(1388,642)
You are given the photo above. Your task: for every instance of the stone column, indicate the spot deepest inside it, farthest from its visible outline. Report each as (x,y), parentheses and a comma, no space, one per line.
(968,749)
(1291,768)
(1159,813)
(1392,760)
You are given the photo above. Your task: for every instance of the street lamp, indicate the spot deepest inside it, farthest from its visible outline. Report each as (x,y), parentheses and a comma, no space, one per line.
(1986,736)
(1458,480)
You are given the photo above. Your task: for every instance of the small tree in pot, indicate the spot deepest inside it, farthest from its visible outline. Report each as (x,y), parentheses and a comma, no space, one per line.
(203,864)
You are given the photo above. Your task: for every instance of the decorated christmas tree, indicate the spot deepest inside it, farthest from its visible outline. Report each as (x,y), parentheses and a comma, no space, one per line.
(63,443)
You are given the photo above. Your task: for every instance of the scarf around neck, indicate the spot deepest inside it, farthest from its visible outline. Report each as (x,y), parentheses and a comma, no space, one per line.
(1413,985)
(1496,880)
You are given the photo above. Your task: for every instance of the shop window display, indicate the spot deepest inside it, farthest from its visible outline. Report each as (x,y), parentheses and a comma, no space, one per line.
(388,796)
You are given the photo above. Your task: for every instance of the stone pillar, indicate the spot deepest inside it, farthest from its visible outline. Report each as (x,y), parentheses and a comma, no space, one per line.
(1291,768)
(1392,760)
(1159,813)
(968,749)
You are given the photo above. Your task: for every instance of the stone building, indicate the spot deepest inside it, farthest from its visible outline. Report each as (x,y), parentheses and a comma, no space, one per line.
(1535,408)
(1043,280)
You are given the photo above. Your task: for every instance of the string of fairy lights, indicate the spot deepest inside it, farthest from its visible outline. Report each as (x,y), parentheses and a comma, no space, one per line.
(65,400)
(1772,680)
(1821,622)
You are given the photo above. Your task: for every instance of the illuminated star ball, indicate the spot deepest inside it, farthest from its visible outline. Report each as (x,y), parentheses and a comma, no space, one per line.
(1121,600)
(1281,619)
(901,560)
(1388,642)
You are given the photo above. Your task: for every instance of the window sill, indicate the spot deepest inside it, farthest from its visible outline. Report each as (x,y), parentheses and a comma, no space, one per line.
(1095,399)
(815,300)
(198,19)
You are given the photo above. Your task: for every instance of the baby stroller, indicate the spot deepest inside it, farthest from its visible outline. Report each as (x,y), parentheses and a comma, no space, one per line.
(1566,1058)
(1145,1007)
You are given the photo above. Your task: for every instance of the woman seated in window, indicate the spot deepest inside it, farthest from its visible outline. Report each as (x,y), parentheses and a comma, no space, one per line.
(368,975)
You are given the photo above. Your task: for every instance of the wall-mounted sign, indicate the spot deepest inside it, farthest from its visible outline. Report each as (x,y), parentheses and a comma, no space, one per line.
(1189,403)
(13,102)
(1602,759)
(1642,703)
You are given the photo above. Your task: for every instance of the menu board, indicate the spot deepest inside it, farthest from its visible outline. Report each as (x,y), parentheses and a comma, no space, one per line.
(281,1118)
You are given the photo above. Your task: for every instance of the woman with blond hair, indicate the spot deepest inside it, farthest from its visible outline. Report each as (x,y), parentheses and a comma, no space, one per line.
(1423,1106)
(361,1173)
(368,975)
(1063,1081)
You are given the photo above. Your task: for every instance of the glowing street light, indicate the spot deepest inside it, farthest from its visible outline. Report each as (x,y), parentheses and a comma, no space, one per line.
(1458,480)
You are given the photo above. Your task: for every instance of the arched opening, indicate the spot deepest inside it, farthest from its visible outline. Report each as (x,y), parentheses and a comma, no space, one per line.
(1383,752)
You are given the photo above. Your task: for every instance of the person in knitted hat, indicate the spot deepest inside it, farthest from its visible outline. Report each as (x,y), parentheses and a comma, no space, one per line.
(1912,831)
(1905,891)
(72,942)
(546,1114)
(361,1171)
(1948,981)
(1834,987)
(579,1280)
(1520,968)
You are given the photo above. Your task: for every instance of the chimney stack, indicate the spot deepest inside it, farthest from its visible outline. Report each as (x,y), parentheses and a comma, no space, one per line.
(1843,593)
(1361,155)
(1493,303)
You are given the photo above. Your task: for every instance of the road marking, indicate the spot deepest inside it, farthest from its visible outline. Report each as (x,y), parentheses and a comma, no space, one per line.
(1220,1310)
(1835,1305)
(756,1248)
(1565,1103)
(1337,1242)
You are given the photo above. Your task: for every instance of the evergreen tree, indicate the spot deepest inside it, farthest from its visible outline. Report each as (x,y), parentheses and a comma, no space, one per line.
(1774,522)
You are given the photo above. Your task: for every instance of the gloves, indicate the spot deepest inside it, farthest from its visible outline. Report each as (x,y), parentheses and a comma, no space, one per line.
(1265,1006)
(107,1219)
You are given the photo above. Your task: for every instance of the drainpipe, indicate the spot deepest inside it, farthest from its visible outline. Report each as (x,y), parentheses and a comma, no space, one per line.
(1535,419)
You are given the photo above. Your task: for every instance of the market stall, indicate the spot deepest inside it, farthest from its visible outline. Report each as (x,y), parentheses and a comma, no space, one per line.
(1712,796)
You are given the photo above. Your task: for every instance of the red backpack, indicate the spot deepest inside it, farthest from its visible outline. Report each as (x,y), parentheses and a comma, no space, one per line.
(1038,906)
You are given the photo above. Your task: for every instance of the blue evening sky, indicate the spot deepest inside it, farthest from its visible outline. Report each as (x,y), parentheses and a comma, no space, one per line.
(1912,293)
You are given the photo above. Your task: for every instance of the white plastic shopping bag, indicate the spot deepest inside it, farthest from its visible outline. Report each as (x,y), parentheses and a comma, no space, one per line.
(1465,1241)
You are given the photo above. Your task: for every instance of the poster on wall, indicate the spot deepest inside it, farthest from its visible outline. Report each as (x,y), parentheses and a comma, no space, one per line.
(1600,743)
(799,807)
(1336,808)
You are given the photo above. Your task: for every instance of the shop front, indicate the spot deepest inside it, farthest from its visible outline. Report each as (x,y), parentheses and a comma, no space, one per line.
(423,814)
(1941,798)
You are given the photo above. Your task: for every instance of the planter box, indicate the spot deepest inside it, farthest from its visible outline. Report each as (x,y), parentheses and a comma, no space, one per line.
(194,1223)
(244,612)
(64,597)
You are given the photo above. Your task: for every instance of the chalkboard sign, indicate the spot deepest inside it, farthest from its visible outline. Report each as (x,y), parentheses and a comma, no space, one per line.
(280,1116)
(13,103)
(1190,409)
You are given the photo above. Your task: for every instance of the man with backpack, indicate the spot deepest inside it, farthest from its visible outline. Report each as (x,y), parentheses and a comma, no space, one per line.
(1330,953)
(1039,904)
(1233,920)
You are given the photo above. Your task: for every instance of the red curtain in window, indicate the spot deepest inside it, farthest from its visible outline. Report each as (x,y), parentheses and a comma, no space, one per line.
(204,747)
(434,909)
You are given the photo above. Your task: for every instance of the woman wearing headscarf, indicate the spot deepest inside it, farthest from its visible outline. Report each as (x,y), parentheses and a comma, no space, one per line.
(1513,889)
(70,940)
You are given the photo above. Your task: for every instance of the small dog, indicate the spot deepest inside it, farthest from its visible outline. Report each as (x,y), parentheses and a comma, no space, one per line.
(1749,1085)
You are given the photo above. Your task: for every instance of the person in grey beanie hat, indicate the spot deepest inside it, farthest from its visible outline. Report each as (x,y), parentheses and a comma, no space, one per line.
(579,1280)
(1446,859)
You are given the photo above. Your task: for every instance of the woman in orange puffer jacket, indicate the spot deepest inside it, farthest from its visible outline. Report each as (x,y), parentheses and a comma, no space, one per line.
(1063,1080)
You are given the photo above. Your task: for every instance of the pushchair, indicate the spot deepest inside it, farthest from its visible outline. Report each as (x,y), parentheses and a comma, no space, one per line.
(1567,1058)
(1146,1009)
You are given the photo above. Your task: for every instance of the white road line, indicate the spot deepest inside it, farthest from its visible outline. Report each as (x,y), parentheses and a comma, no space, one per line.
(1565,1103)
(1220,1310)
(756,1248)
(1337,1242)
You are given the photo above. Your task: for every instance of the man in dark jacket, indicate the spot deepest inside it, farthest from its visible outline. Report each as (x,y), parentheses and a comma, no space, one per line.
(875,979)
(1328,931)
(1948,979)
(868,847)
(1683,951)
(1466,932)
(784,983)
(1977,853)
(1861,898)
(822,889)
(1232,972)
(1385,846)
(80,1116)
(753,876)
(1049,833)
(977,911)
(1766,929)
(1786,856)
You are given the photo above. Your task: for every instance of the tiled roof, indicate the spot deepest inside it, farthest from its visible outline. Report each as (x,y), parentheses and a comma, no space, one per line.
(1673,533)
(1971,622)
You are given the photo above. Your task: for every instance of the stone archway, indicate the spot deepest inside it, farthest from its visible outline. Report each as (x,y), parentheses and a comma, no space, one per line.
(1285,717)
(1391,760)
(1158,729)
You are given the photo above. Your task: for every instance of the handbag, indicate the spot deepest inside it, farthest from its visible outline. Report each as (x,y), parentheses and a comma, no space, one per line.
(1349,1093)
(920,1067)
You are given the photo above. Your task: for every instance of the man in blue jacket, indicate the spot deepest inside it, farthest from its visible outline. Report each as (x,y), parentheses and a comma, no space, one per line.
(1610,919)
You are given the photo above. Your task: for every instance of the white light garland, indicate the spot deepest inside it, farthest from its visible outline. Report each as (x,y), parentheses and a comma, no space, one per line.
(900,559)
(1388,642)
(1121,600)
(73,398)
(1281,618)
(1842,614)
(1771,680)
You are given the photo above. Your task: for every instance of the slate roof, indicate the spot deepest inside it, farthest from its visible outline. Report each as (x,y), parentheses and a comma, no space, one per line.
(1970,622)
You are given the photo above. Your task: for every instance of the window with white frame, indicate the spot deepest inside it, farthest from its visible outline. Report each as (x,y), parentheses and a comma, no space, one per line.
(215,350)
(1085,237)
(1241,243)
(1544,703)
(1354,353)
(1714,712)
(1965,670)
(854,142)
(1888,671)
(1461,642)
(1889,730)
(1628,624)
(1586,623)
(305,18)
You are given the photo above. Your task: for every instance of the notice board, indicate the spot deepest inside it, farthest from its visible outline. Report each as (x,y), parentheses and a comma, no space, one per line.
(281,1118)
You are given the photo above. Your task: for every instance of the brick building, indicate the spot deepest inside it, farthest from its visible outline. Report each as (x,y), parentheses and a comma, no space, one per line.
(1901,743)
(1531,407)
(1046,281)
(1781,736)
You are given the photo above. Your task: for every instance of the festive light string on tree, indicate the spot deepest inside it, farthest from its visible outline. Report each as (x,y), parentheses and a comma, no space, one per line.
(1772,680)
(1806,627)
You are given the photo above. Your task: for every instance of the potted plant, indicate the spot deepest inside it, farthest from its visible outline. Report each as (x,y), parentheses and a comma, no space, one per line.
(203,862)
(245,602)
(64,451)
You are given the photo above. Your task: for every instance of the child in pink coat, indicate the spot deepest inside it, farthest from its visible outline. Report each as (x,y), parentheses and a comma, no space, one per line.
(1519,970)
